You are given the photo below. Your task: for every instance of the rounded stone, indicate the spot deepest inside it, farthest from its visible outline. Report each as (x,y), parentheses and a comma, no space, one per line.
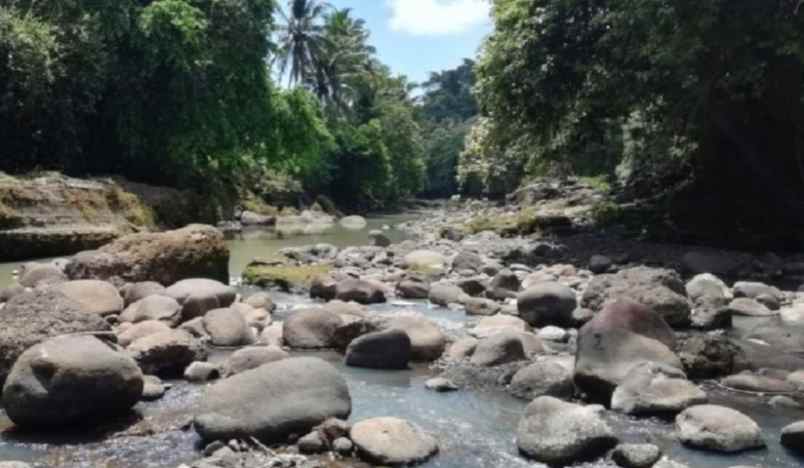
(392,441)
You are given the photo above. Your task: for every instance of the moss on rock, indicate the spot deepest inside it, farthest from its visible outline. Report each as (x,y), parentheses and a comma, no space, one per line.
(284,276)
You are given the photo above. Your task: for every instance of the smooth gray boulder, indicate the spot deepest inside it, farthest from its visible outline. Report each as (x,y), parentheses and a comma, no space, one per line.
(198,296)
(412,289)
(560,433)
(499,349)
(32,317)
(353,223)
(424,261)
(360,291)
(228,327)
(717,428)
(710,299)
(656,389)
(311,329)
(444,294)
(273,401)
(752,382)
(392,441)
(134,332)
(481,306)
(467,261)
(36,274)
(167,353)
(545,377)
(202,372)
(621,336)
(133,292)
(427,341)
(488,326)
(157,307)
(636,455)
(547,304)
(95,297)
(71,380)
(387,349)
(750,308)
(658,289)
(252,357)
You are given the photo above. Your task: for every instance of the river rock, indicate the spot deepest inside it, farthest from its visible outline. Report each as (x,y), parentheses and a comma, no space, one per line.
(427,341)
(273,401)
(198,296)
(660,290)
(412,289)
(560,433)
(227,327)
(392,441)
(481,306)
(166,353)
(387,349)
(651,388)
(707,356)
(754,290)
(323,287)
(6,294)
(196,251)
(749,308)
(255,318)
(360,291)
(201,371)
(599,264)
(353,223)
(717,428)
(488,326)
(379,239)
(444,294)
(95,297)
(751,382)
(793,316)
(793,437)
(33,317)
(250,218)
(545,377)
(467,261)
(261,300)
(710,297)
(311,329)
(461,349)
(547,304)
(161,308)
(252,357)
(636,455)
(441,385)
(70,380)
(36,274)
(500,348)
(134,292)
(619,337)
(425,261)
(139,330)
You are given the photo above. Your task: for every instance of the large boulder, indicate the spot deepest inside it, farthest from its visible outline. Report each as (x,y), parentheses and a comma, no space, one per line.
(619,337)
(793,437)
(311,329)
(392,442)
(427,341)
(388,349)
(228,327)
(133,292)
(717,428)
(36,274)
(273,401)
(167,353)
(360,291)
(707,356)
(134,332)
(660,290)
(710,297)
(252,357)
(498,349)
(545,377)
(198,296)
(560,433)
(70,380)
(158,307)
(547,303)
(196,251)
(656,389)
(95,297)
(32,317)
(444,294)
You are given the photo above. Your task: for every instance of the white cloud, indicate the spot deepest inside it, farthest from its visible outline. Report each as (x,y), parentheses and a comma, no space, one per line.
(437,17)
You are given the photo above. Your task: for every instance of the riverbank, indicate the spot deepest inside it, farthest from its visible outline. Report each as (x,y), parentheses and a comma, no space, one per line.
(497,302)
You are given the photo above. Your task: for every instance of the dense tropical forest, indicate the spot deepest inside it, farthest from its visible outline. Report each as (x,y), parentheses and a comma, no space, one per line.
(700,99)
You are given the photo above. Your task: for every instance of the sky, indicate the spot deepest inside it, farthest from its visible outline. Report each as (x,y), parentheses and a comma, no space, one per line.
(416,37)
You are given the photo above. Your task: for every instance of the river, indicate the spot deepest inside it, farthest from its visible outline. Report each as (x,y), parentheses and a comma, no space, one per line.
(476,429)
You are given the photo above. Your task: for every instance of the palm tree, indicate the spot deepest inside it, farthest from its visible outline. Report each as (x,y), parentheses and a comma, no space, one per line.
(347,58)
(301,39)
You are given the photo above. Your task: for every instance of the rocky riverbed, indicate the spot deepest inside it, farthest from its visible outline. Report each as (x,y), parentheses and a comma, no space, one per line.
(505,336)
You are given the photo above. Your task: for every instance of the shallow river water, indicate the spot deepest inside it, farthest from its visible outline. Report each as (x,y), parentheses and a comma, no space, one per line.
(475,429)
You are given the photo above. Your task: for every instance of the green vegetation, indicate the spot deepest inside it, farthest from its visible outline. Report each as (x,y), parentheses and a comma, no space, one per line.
(177,92)
(284,276)
(699,102)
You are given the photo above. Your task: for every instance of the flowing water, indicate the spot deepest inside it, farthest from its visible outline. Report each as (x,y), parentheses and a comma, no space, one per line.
(476,429)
